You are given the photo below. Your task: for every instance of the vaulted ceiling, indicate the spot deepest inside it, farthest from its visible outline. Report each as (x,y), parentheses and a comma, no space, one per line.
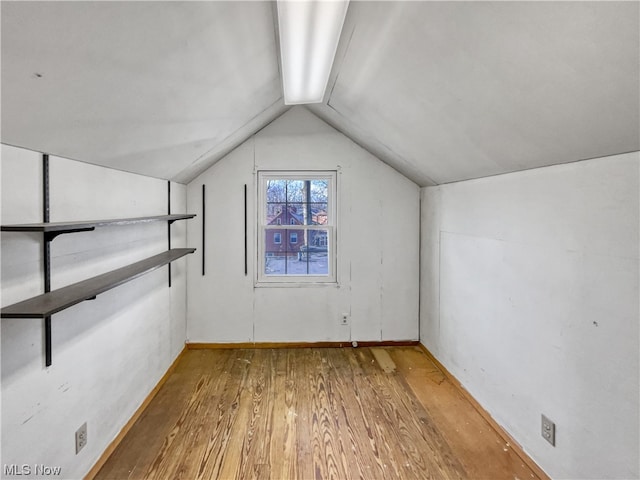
(441,91)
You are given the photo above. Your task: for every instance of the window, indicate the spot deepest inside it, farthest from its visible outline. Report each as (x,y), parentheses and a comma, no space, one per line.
(308,200)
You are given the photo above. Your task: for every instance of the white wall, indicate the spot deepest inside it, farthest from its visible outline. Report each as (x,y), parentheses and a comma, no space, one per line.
(378,245)
(529,297)
(107,353)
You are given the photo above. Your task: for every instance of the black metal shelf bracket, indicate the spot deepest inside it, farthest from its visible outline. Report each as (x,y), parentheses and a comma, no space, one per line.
(50,236)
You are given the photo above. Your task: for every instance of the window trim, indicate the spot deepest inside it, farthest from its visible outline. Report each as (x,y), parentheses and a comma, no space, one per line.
(261,278)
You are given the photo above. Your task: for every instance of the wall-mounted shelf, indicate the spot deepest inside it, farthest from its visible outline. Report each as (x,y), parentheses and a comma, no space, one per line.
(47,304)
(58,228)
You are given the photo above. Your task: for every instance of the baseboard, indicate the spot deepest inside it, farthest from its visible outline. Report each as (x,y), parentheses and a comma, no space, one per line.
(515,446)
(389,343)
(116,441)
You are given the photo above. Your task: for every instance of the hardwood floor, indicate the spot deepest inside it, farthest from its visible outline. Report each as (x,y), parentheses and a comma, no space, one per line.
(311,413)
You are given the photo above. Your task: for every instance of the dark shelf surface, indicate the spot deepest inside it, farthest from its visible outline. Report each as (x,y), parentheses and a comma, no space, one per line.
(88,224)
(49,303)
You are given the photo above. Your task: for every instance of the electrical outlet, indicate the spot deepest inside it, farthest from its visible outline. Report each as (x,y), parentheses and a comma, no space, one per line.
(548,430)
(81,437)
(345,319)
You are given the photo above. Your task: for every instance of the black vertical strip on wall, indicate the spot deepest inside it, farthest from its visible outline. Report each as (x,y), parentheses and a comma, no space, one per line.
(45,188)
(245,230)
(45,219)
(169,225)
(46,255)
(203,223)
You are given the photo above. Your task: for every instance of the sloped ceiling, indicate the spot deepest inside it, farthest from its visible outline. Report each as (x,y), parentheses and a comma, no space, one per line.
(157,88)
(442,91)
(445,91)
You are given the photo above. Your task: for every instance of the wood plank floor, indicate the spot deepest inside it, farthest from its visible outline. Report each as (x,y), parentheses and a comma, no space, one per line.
(311,413)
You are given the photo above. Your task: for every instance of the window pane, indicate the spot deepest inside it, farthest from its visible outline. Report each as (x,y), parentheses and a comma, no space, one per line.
(319,214)
(295,191)
(275,212)
(274,240)
(276,190)
(319,191)
(276,249)
(274,264)
(319,238)
(295,214)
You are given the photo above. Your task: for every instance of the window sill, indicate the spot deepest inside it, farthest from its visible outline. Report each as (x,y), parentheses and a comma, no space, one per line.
(296,285)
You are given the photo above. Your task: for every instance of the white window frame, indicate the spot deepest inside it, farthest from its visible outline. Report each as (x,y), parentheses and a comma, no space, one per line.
(291,237)
(277,242)
(330,227)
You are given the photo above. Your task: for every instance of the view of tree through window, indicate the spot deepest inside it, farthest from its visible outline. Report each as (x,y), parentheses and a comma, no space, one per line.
(296,226)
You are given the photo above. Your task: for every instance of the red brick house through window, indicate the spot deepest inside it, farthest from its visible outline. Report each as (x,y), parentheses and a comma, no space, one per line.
(288,242)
